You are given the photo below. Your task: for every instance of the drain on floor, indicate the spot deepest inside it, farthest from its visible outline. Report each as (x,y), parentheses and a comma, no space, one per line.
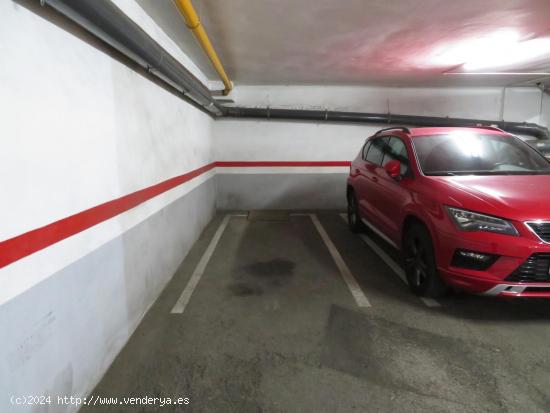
(267,215)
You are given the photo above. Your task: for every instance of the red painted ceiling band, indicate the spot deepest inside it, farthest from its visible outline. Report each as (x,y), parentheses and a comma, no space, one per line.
(35,240)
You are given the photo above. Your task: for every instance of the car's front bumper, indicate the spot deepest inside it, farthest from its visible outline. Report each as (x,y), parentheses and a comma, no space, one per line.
(497,280)
(491,287)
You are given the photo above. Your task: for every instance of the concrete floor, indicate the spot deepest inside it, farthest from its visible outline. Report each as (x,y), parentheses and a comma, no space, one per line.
(272,327)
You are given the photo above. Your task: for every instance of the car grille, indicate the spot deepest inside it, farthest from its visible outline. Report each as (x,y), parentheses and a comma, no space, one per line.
(535,269)
(542,229)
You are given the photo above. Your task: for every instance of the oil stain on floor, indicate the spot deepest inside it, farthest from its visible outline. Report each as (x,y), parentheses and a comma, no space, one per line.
(262,277)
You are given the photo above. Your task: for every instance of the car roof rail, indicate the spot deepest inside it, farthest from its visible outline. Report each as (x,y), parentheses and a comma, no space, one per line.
(490,127)
(401,128)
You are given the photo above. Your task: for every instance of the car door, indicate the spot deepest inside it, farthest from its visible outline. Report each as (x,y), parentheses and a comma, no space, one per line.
(368,180)
(359,173)
(392,195)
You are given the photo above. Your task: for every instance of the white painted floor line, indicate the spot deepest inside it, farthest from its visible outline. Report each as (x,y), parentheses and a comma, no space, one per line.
(430,302)
(199,270)
(351,282)
(396,268)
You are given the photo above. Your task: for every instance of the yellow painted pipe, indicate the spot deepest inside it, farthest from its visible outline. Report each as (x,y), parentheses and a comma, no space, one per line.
(193,22)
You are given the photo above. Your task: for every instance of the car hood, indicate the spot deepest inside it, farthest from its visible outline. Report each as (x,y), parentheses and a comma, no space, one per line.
(519,197)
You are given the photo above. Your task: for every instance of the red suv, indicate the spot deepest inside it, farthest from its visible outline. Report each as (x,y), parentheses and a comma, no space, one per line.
(468,207)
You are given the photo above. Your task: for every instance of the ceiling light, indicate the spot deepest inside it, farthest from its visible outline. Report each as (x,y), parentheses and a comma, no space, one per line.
(500,49)
(467,50)
(500,73)
(509,54)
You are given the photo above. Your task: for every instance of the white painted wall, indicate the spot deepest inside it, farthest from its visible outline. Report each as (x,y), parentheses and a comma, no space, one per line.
(77,129)
(263,140)
(285,140)
(520,104)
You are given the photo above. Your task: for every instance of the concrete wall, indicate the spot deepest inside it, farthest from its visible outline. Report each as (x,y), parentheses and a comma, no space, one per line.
(78,128)
(322,187)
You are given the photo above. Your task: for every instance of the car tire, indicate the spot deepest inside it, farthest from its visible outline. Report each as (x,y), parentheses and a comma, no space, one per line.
(420,266)
(354,220)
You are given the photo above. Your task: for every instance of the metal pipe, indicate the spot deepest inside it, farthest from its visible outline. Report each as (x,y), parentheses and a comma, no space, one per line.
(106,21)
(193,22)
(531,129)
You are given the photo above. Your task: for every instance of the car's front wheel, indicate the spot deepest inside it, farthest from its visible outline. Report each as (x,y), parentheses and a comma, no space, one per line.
(420,266)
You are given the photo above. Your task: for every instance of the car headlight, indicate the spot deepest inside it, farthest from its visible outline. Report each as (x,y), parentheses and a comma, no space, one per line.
(473,221)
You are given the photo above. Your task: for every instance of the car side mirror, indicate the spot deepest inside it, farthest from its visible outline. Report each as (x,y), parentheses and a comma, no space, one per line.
(393,168)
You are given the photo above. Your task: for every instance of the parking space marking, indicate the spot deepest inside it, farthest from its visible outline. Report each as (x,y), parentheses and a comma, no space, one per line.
(185,296)
(396,268)
(430,302)
(351,282)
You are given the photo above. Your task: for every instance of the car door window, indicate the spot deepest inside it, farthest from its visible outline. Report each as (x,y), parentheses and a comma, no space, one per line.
(366,149)
(396,150)
(376,150)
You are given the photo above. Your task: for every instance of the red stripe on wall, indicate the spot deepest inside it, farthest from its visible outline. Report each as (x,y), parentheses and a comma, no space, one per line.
(281,163)
(30,242)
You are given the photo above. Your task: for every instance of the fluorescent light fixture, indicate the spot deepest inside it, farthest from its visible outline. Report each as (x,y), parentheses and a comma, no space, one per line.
(503,48)
(509,54)
(458,53)
(500,73)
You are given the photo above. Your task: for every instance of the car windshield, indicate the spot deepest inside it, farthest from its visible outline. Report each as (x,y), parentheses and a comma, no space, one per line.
(470,153)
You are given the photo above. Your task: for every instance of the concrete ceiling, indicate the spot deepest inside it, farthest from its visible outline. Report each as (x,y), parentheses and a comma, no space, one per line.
(359,42)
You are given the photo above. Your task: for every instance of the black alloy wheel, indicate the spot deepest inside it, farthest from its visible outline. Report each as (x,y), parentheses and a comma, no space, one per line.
(420,266)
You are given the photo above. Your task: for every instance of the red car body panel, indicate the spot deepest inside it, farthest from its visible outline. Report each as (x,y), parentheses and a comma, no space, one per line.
(385,204)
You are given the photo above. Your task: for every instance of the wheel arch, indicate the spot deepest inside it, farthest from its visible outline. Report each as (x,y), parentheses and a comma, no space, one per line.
(349,190)
(411,219)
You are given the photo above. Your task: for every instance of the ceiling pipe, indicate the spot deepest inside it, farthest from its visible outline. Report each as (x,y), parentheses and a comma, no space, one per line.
(522,128)
(193,22)
(106,21)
